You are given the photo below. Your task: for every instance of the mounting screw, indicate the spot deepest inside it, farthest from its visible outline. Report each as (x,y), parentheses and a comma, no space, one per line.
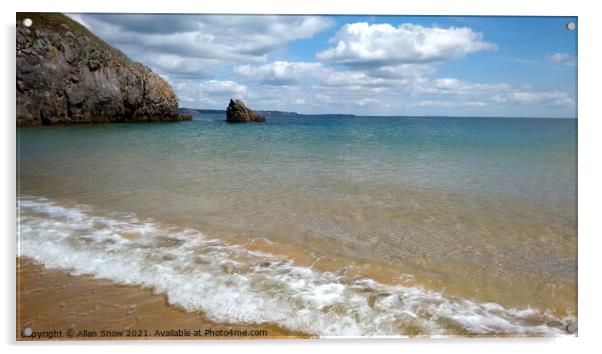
(570,26)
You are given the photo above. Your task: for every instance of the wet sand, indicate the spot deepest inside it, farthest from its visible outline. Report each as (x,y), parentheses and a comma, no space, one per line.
(80,307)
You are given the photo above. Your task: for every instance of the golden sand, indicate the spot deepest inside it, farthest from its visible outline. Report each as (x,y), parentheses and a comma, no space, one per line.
(80,307)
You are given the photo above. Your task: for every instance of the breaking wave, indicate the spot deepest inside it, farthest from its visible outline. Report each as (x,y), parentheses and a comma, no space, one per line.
(232,284)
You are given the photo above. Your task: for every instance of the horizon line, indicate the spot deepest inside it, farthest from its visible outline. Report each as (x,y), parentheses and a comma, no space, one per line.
(385,116)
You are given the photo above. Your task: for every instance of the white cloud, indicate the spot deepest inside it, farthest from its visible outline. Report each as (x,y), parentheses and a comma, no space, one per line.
(459,87)
(402,71)
(562,58)
(455,84)
(204,42)
(449,104)
(367,69)
(362,44)
(554,98)
(524,97)
(318,84)
(223,88)
(289,73)
(171,63)
(207,93)
(411,98)
(367,102)
(355,80)
(281,72)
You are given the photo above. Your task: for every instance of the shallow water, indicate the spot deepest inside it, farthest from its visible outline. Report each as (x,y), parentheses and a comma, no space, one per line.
(328,225)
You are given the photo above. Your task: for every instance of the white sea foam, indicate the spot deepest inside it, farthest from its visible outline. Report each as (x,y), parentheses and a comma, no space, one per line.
(232,284)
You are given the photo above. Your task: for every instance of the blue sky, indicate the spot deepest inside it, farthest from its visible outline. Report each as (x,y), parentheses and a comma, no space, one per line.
(371,65)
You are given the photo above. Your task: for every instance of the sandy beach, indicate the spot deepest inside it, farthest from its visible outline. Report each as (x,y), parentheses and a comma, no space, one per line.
(56,302)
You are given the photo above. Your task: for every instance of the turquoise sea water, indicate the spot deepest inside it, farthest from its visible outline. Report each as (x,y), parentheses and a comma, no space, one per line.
(471,209)
(533,159)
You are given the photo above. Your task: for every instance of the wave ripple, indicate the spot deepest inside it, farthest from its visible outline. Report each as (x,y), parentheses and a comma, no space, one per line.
(232,284)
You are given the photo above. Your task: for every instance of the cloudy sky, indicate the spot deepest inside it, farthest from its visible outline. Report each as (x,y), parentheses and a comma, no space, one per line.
(371,65)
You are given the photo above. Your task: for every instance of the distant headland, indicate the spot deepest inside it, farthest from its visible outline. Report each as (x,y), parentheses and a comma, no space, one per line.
(200,111)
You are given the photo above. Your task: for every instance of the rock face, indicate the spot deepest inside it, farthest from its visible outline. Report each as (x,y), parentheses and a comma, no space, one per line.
(65,75)
(237,112)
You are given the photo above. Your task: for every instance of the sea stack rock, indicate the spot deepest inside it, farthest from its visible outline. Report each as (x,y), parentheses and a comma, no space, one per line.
(237,112)
(65,75)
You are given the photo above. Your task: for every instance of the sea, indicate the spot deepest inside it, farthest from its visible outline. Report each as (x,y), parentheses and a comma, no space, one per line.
(351,226)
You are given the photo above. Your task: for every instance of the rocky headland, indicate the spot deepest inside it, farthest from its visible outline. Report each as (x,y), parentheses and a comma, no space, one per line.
(66,75)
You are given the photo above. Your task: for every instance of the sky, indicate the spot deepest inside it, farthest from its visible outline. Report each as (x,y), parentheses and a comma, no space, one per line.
(363,65)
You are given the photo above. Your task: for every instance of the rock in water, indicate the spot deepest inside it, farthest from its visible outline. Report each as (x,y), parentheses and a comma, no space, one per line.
(65,74)
(237,112)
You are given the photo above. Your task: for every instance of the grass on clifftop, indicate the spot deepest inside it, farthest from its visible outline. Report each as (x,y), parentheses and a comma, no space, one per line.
(54,21)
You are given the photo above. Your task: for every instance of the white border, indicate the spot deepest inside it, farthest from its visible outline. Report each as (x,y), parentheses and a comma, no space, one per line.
(590,175)
(373,7)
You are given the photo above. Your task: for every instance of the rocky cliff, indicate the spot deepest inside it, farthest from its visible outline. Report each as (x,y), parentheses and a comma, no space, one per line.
(237,112)
(65,74)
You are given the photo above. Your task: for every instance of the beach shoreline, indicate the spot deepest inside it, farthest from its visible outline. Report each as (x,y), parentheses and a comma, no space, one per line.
(59,306)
